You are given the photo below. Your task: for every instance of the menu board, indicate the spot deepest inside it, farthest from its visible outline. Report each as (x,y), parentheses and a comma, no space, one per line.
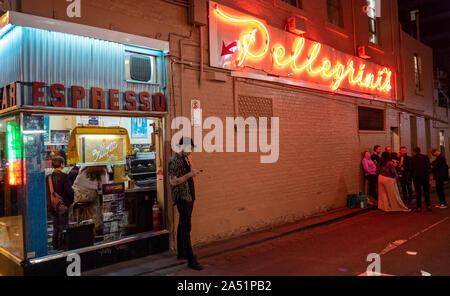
(115,217)
(101,149)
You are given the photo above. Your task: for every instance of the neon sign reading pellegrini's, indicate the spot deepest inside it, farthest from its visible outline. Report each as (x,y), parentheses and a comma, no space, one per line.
(298,62)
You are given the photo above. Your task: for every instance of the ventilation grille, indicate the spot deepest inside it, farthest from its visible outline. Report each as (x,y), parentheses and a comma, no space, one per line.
(255,107)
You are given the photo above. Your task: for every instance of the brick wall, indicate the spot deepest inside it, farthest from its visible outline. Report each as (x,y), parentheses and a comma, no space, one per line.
(320,145)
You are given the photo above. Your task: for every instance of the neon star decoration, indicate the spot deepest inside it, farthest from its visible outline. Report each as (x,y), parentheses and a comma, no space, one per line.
(255,46)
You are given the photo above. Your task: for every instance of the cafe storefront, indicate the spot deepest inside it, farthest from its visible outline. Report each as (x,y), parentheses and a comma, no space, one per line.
(97,98)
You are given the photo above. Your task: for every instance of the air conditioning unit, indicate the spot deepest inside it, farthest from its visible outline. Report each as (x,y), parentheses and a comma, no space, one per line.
(140,68)
(362,53)
(296,25)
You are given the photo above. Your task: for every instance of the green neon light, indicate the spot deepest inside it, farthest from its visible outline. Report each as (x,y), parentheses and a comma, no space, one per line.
(13,141)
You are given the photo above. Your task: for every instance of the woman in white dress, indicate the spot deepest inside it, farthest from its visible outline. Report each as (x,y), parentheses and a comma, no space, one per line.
(388,195)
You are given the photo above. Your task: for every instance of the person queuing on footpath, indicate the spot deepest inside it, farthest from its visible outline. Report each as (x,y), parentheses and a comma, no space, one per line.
(420,173)
(439,168)
(404,174)
(181,174)
(388,195)
(370,172)
(87,202)
(376,156)
(393,154)
(60,197)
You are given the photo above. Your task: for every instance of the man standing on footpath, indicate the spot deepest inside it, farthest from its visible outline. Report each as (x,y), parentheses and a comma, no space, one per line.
(181,176)
(420,172)
(439,168)
(403,174)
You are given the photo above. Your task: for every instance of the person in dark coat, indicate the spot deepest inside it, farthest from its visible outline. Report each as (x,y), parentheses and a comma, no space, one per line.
(73,174)
(62,186)
(403,171)
(420,173)
(439,168)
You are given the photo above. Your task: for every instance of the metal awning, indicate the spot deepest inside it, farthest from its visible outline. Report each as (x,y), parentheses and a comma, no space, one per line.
(27,20)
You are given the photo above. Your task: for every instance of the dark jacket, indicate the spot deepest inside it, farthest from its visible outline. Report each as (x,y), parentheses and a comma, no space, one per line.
(439,168)
(73,174)
(420,167)
(406,166)
(62,186)
(376,159)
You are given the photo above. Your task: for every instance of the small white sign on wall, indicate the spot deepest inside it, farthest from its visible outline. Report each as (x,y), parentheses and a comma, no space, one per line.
(196,113)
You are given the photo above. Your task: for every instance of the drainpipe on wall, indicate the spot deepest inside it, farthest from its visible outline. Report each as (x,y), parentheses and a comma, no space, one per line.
(402,59)
(17,5)
(201,54)
(393,17)
(168,130)
(418,25)
(400,128)
(355,50)
(183,39)
(182,63)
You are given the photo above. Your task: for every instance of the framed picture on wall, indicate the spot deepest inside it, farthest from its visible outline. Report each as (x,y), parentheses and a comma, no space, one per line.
(33,123)
(59,137)
(46,128)
(139,128)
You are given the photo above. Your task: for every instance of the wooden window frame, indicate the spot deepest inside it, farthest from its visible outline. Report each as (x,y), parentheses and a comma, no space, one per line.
(339,9)
(382,111)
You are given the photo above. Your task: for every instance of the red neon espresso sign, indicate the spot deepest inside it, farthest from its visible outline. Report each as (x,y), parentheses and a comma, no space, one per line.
(258,46)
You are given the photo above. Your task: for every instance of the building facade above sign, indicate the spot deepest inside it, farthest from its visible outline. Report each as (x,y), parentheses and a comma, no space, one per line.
(243,43)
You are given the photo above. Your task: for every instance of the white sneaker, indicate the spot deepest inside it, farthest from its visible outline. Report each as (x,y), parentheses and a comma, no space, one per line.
(443,206)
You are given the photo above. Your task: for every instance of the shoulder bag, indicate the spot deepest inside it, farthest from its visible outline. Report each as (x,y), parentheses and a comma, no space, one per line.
(55,198)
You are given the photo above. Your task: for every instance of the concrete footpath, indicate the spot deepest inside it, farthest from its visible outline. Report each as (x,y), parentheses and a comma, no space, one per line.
(166,260)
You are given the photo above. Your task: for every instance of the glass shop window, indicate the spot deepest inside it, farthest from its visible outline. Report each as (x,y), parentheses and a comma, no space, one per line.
(109,163)
(11,181)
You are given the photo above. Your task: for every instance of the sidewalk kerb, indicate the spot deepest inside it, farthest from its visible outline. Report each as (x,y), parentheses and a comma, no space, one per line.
(311,226)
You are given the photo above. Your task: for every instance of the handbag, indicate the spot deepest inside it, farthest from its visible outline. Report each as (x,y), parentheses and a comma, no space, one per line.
(55,198)
(84,195)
